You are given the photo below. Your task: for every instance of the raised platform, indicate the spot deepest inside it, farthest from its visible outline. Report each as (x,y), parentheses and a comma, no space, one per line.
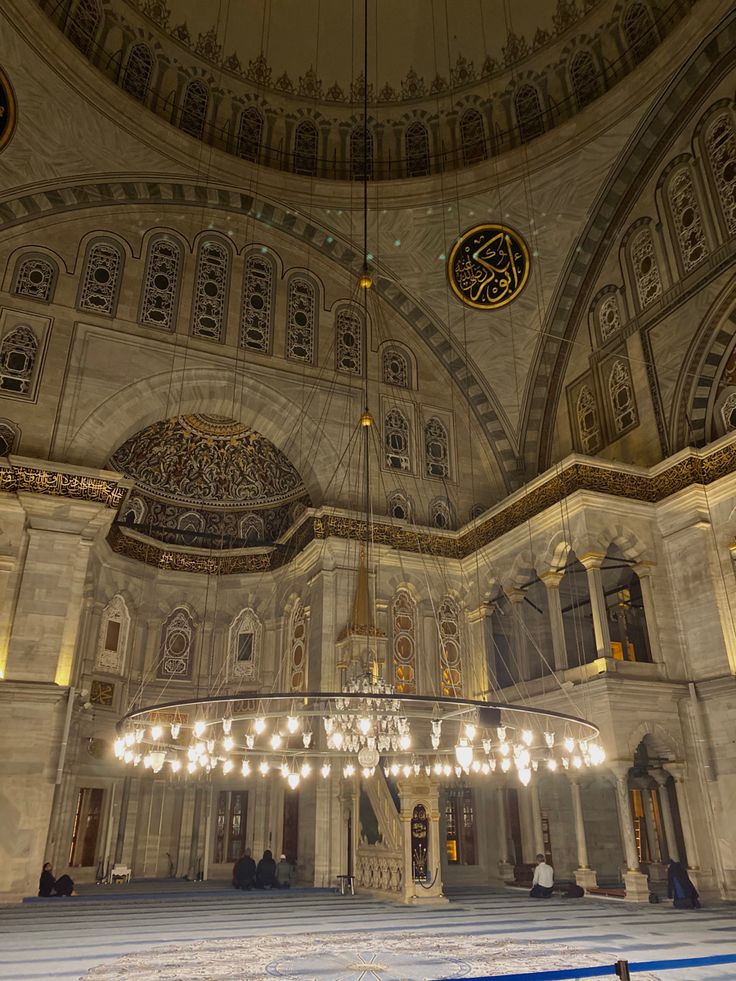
(170,929)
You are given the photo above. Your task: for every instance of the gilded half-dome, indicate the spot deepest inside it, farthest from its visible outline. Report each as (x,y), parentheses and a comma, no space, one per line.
(208,481)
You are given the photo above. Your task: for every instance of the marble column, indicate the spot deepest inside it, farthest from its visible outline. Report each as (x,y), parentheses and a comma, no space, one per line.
(584,875)
(552,582)
(592,563)
(505,866)
(637,885)
(520,653)
(537,830)
(644,572)
(661,776)
(424,791)
(122,821)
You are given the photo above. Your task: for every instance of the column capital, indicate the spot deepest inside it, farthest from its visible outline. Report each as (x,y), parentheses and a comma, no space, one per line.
(592,560)
(678,771)
(619,769)
(514,594)
(644,568)
(552,578)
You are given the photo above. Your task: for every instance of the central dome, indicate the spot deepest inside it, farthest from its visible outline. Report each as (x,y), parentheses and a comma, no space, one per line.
(208,481)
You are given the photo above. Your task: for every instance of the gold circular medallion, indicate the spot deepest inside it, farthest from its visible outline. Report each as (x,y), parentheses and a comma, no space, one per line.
(488,266)
(7,110)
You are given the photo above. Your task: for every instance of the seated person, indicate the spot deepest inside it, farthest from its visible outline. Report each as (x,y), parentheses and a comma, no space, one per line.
(49,886)
(266,872)
(544,878)
(680,889)
(244,871)
(284,872)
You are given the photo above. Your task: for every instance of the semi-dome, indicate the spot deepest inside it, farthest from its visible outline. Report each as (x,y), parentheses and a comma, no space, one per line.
(209,481)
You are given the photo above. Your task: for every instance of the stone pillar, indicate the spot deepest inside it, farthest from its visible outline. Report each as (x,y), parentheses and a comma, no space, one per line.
(644,572)
(421,790)
(637,886)
(477,681)
(537,830)
(505,867)
(584,875)
(552,581)
(661,776)
(592,563)
(657,871)
(519,637)
(122,821)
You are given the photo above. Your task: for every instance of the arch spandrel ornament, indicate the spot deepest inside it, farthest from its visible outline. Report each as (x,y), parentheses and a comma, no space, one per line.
(8,111)
(488,266)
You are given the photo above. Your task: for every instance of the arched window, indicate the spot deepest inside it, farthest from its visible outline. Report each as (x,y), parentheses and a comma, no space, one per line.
(301,320)
(251,529)
(584,78)
(194,108)
(249,134)
(589,429)
(609,317)
(244,647)
(396,440)
(476,511)
(639,30)
(210,290)
(451,676)
(720,142)
(176,651)
(728,413)
(35,277)
(18,352)
(361,155)
(83,24)
(255,318)
(436,449)
(297,660)
(101,278)
(305,148)
(621,393)
(688,223)
(472,137)
(439,513)
(399,506)
(9,437)
(404,642)
(348,341)
(528,113)
(395,368)
(417,150)
(646,271)
(112,641)
(161,284)
(138,70)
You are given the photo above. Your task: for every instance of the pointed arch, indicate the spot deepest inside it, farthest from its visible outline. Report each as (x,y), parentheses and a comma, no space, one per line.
(112,640)
(138,71)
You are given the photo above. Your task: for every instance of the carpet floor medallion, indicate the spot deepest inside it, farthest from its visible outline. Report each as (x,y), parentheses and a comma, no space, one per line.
(345,957)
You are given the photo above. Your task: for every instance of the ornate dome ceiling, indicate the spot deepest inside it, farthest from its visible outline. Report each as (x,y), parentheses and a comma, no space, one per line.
(207,481)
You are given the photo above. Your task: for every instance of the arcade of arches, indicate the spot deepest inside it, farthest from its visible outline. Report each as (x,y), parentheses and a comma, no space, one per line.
(183,364)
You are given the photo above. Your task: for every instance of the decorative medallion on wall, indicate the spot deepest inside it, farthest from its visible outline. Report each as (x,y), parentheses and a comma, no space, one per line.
(488,266)
(7,110)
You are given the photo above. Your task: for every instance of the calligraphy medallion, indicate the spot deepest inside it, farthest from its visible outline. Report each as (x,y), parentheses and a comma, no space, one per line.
(7,110)
(488,266)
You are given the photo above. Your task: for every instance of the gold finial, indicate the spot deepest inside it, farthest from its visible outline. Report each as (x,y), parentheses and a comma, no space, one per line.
(366,420)
(366,280)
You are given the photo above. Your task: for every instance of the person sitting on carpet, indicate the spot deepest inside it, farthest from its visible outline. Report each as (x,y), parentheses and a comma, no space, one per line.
(49,886)
(284,872)
(244,871)
(266,872)
(544,879)
(680,889)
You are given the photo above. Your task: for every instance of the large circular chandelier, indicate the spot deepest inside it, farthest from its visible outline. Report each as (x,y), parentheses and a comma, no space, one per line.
(352,732)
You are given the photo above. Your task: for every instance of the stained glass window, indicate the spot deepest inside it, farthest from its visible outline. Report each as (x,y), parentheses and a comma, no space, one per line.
(417,150)
(348,341)
(584,78)
(436,449)
(688,223)
(305,148)
(472,137)
(101,278)
(395,365)
(646,271)
(621,393)
(639,30)
(112,640)
(451,678)
(210,290)
(301,327)
(18,352)
(194,108)
(609,317)
(399,506)
(176,652)
(9,437)
(439,513)
(720,141)
(249,133)
(588,424)
(404,641)
(161,284)
(138,69)
(396,440)
(361,154)
(297,649)
(36,277)
(257,312)
(83,25)
(244,646)
(528,113)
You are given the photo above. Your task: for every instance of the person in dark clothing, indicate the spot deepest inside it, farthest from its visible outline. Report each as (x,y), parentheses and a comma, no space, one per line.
(49,886)
(244,871)
(266,872)
(680,889)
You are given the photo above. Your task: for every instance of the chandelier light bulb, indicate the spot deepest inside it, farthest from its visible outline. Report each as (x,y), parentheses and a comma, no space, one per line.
(175,766)
(157,732)
(438,768)
(210,746)
(487,746)
(139,734)
(406,770)
(552,765)
(565,763)
(501,733)
(276,740)
(504,749)
(464,754)
(364,726)
(147,761)
(405,742)
(485,769)
(349,770)
(367,772)
(470,731)
(259,725)
(293,780)
(136,759)
(522,759)
(458,771)
(569,744)
(325,770)
(475,766)
(525,776)
(228,742)
(175,730)
(577,762)
(191,766)
(527,737)
(305,770)
(549,738)
(129,738)
(199,748)
(227,725)
(128,755)
(394,769)
(204,760)
(199,727)
(292,724)
(337,739)
(329,725)
(263,768)
(245,768)
(505,764)
(447,769)
(119,747)
(250,740)
(492,764)
(285,771)
(307,739)
(597,755)
(227,766)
